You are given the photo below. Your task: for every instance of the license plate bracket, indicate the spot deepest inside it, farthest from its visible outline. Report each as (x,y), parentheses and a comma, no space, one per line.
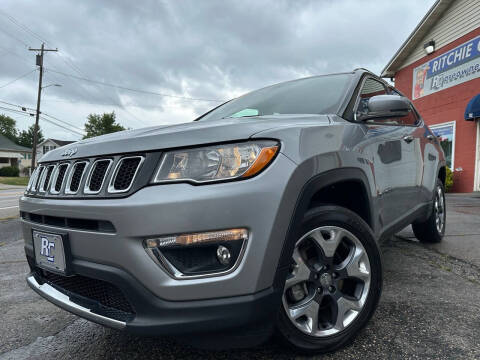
(52,251)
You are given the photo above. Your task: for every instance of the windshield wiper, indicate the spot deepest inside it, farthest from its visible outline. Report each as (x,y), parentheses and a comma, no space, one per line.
(238,117)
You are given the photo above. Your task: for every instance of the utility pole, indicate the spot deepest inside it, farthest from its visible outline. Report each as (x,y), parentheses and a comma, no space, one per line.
(39,59)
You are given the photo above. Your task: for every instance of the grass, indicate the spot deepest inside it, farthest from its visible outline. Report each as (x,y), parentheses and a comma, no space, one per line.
(20,181)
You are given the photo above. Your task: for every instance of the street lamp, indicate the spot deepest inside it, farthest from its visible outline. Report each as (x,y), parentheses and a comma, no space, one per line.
(44,87)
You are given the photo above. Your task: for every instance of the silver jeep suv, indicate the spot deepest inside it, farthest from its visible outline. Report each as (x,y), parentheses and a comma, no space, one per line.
(263,215)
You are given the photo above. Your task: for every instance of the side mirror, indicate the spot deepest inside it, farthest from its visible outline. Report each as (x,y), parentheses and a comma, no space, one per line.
(383,106)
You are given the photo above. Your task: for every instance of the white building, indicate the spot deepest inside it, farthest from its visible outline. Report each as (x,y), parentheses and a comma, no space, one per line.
(50,144)
(15,155)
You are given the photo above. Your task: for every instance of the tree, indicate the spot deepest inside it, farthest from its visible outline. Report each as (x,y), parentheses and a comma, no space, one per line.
(25,137)
(97,125)
(7,127)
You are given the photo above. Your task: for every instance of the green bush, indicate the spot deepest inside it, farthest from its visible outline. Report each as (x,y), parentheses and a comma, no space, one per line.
(11,171)
(449,180)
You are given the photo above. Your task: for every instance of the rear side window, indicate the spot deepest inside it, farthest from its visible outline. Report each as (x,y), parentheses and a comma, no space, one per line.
(411,119)
(370,88)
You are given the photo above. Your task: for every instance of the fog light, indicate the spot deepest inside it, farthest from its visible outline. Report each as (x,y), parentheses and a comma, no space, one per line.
(223,255)
(196,254)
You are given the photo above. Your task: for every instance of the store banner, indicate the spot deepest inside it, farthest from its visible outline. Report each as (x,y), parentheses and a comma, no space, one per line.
(449,69)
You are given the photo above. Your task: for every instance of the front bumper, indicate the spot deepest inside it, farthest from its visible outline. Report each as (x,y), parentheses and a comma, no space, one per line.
(263,204)
(155,316)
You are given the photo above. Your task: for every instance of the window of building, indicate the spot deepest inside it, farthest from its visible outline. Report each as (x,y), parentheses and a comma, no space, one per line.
(47,148)
(446,134)
(4,160)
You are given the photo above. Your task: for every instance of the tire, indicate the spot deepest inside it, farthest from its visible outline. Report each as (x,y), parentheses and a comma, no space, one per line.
(330,230)
(432,230)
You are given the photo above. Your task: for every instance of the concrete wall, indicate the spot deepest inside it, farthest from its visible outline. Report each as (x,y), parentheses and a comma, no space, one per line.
(449,105)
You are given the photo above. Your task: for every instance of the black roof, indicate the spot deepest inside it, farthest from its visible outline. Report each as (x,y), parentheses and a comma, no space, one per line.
(61,142)
(7,144)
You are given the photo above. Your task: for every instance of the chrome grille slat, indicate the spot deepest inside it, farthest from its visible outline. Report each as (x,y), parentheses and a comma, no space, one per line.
(38,178)
(75,177)
(96,176)
(125,173)
(59,178)
(47,175)
(33,179)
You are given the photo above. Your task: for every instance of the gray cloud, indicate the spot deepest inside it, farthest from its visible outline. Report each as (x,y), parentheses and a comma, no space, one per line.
(202,49)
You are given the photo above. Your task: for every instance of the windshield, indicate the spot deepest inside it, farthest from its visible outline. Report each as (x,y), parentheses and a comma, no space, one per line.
(315,95)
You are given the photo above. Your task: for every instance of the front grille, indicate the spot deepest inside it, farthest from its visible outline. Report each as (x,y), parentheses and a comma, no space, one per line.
(115,304)
(39,177)
(125,172)
(62,170)
(93,177)
(77,174)
(97,175)
(48,176)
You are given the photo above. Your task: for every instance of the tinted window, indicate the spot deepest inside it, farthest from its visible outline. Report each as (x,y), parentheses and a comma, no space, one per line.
(410,119)
(370,88)
(316,95)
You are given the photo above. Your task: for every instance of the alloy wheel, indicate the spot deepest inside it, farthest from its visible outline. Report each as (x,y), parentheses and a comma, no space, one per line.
(328,282)
(439,208)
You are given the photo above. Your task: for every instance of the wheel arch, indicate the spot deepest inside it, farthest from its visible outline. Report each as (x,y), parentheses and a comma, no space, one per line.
(308,198)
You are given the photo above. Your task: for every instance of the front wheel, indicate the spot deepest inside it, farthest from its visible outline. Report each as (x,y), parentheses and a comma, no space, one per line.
(334,282)
(433,229)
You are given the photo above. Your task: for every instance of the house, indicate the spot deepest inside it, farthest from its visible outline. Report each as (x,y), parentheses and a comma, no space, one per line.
(12,154)
(50,144)
(438,68)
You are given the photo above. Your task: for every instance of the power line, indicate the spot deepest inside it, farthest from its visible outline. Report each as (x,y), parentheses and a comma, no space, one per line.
(14,37)
(17,111)
(64,122)
(19,106)
(20,77)
(132,89)
(22,26)
(42,113)
(116,103)
(14,53)
(67,62)
(64,127)
(43,118)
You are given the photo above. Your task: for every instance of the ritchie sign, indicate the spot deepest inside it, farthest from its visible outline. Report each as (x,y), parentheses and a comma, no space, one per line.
(449,69)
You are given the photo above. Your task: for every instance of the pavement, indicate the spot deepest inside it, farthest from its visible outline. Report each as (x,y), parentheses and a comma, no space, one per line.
(9,196)
(462,235)
(429,307)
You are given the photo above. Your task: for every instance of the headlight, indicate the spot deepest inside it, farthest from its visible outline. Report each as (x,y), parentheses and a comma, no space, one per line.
(218,162)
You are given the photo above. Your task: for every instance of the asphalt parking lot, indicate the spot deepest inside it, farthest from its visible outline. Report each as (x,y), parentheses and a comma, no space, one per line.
(429,308)
(9,196)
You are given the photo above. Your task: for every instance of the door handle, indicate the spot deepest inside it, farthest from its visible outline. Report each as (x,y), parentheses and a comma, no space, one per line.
(408,139)
(430,137)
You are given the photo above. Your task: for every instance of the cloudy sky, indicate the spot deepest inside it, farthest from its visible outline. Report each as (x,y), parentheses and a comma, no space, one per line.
(204,50)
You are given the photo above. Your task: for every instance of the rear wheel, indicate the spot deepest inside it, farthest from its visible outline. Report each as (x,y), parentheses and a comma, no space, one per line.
(433,229)
(334,282)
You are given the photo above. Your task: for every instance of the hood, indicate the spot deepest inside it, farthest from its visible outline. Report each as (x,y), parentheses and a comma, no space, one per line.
(172,136)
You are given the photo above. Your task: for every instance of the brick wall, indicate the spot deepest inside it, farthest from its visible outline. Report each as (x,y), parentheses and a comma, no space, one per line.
(449,105)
